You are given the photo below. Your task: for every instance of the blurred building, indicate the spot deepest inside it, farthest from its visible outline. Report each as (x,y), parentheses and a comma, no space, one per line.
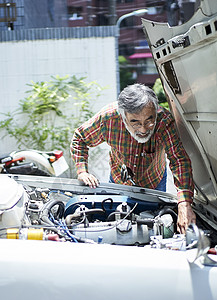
(132,43)
(23,14)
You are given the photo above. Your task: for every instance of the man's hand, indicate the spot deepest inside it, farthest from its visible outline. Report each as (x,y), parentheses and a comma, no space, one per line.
(186,216)
(88,179)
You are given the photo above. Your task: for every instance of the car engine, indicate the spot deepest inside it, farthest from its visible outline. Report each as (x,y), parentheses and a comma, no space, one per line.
(47,214)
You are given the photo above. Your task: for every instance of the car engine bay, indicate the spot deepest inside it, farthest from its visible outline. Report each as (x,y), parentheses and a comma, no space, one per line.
(41,213)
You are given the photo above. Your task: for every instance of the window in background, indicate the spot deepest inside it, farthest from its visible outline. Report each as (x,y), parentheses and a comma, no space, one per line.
(146,66)
(75,13)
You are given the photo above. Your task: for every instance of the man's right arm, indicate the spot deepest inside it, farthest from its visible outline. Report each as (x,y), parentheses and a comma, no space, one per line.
(87,135)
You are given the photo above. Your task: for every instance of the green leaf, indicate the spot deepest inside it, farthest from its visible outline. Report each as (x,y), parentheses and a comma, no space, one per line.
(51,111)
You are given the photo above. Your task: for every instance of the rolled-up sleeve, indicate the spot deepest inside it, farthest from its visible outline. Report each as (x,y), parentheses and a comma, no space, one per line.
(90,134)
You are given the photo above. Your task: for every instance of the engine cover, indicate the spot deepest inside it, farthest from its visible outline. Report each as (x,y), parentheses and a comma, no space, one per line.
(12,202)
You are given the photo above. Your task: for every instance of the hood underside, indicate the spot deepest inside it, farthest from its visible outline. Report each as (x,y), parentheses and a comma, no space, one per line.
(186,59)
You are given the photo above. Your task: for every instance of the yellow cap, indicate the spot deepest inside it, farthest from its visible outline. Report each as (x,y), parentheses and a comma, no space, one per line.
(13,233)
(35,234)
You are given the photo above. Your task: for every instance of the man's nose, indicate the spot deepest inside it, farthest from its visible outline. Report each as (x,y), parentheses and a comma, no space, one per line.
(143,129)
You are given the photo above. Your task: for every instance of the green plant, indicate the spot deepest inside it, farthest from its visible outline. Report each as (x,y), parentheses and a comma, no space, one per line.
(159,91)
(125,73)
(48,116)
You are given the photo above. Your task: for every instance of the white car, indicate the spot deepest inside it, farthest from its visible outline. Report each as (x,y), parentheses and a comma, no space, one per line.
(60,239)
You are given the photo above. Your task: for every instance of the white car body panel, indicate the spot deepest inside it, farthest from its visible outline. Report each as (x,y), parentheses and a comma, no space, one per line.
(54,270)
(49,270)
(186,58)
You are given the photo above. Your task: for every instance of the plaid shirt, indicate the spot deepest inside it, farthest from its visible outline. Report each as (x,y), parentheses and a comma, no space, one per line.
(147,161)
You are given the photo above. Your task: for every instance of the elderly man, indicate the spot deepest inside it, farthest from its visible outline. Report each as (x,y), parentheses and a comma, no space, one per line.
(140,134)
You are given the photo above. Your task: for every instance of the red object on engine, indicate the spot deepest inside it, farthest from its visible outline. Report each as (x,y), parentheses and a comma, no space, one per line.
(9,163)
(53,237)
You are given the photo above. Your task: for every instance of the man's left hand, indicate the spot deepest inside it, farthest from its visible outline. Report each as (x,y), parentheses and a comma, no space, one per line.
(186,216)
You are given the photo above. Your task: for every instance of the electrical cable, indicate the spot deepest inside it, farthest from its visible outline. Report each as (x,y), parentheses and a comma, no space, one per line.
(66,230)
(113,226)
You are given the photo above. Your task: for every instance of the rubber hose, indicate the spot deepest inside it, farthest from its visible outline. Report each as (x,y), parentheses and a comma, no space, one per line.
(47,208)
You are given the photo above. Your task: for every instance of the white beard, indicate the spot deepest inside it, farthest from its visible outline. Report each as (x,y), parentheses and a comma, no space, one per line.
(141,140)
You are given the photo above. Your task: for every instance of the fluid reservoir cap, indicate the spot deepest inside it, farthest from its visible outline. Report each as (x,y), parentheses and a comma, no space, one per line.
(10,192)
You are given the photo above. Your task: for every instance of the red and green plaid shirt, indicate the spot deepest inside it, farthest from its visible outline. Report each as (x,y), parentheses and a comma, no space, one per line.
(147,161)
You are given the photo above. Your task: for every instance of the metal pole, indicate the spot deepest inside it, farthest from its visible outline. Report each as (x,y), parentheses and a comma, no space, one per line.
(112,12)
(139,12)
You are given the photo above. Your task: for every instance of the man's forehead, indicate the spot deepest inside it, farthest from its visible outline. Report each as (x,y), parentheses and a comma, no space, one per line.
(145,111)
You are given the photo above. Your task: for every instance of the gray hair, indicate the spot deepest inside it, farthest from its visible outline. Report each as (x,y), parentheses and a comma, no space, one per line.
(135,97)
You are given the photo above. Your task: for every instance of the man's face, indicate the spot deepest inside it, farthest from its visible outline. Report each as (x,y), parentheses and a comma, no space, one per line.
(141,126)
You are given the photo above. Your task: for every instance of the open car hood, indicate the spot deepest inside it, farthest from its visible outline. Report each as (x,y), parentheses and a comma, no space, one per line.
(186,59)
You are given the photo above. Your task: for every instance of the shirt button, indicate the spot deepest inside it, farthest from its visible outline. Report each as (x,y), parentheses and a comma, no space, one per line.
(137,155)
(134,166)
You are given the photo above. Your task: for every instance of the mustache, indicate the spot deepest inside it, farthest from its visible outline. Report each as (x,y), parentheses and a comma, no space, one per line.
(143,134)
